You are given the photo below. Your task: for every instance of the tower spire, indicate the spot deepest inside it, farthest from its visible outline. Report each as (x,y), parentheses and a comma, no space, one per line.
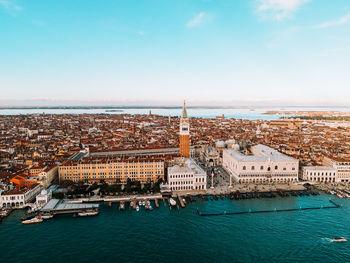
(184,111)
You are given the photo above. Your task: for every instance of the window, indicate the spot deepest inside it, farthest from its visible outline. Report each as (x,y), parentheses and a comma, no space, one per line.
(261,167)
(253,167)
(276,167)
(244,168)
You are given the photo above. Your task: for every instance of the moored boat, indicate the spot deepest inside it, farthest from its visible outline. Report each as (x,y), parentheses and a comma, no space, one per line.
(172,202)
(88,213)
(46,217)
(33,220)
(137,208)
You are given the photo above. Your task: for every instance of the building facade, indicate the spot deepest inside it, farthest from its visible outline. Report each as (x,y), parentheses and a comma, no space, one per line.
(210,156)
(187,176)
(342,165)
(320,174)
(262,165)
(184,134)
(90,170)
(19,197)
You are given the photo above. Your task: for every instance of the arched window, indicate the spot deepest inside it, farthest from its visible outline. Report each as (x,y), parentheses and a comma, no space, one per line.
(269,169)
(244,168)
(276,167)
(253,168)
(261,167)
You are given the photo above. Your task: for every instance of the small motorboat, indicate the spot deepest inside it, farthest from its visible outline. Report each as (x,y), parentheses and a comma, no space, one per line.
(172,202)
(137,208)
(339,239)
(122,205)
(184,201)
(47,216)
(89,213)
(34,220)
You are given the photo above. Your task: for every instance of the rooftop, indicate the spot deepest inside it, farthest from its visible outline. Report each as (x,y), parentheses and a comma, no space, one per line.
(189,167)
(260,153)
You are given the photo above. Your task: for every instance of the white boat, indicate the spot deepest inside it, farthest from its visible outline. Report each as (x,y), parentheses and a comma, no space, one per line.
(172,202)
(131,204)
(184,200)
(92,213)
(34,220)
(137,208)
(46,217)
(143,202)
(339,239)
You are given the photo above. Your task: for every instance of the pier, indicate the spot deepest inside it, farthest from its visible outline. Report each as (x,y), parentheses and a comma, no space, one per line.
(55,207)
(334,205)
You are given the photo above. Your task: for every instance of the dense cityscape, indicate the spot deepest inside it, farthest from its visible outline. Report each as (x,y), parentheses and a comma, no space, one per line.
(165,154)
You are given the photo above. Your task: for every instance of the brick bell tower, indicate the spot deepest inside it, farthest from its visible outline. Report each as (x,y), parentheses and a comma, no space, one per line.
(184,133)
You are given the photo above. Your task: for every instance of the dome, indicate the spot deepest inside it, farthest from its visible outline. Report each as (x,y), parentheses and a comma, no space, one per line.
(235,147)
(220,144)
(230,143)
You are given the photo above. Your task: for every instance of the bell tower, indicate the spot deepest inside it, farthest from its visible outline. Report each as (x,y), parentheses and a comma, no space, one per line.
(184,133)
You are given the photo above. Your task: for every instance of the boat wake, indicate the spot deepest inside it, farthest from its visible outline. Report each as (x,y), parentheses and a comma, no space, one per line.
(326,240)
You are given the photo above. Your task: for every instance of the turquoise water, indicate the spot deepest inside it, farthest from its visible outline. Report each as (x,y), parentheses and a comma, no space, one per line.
(162,235)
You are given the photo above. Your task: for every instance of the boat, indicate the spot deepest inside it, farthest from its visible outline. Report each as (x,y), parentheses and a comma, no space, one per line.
(122,205)
(172,202)
(150,208)
(137,208)
(46,217)
(184,201)
(339,239)
(34,220)
(89,213)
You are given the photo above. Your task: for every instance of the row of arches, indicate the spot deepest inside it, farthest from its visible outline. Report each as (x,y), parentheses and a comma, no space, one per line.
(268,180)
(13,204)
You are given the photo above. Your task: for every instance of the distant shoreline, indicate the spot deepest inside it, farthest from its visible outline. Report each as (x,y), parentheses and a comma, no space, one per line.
(154,107)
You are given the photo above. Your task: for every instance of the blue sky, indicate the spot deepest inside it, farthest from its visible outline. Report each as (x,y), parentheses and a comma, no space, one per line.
(287,51)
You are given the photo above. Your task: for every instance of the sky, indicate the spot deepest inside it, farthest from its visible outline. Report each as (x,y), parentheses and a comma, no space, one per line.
(286,52)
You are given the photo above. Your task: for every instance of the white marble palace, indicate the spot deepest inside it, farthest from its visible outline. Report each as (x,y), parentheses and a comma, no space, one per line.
(261,165)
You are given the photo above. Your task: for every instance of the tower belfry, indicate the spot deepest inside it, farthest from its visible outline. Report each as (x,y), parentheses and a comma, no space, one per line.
(184,133)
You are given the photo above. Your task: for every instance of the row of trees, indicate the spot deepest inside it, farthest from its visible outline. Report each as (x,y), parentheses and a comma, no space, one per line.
(82,189)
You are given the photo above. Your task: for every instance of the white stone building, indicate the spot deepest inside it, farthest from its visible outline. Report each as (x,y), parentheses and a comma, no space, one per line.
(43,198)
(322,174)
(342,166)
(19,197)
(262,165)
(187,176)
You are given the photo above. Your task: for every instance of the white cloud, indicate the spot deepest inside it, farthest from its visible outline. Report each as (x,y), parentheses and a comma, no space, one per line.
(10,5)
(197,20)
(336,22)
(278,9)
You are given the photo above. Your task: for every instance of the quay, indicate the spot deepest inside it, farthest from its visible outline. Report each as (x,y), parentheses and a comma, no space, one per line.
(55,207)
(271,211)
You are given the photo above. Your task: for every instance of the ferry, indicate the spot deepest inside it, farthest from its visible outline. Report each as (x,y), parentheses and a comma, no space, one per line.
(172,202)
(339,239)
(89,213)
(34,220)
